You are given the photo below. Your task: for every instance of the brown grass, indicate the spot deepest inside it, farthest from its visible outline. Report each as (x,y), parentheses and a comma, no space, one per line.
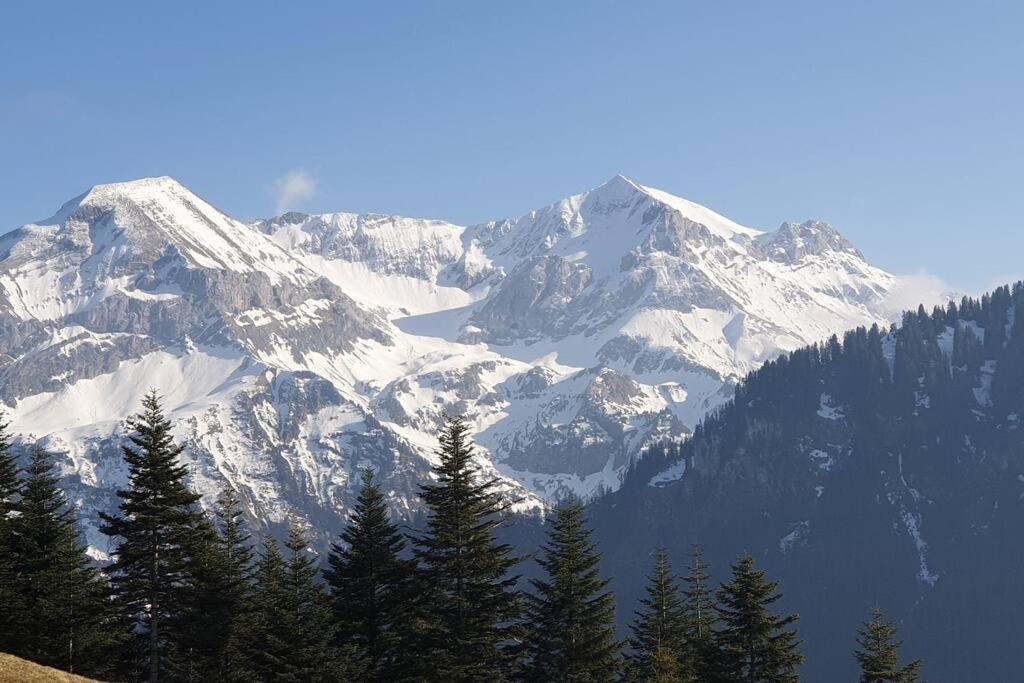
(15,670)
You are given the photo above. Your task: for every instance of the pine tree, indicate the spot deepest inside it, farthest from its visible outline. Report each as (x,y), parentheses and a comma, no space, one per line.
(878,655)
(700,652)
(292,631)
(158,517)
(370,585)
(206,632)
(10,600)
(570,615)
(65,618)
(469,598)
(237,551)
(265,647)
(659,630)
(756,645)
(8,473)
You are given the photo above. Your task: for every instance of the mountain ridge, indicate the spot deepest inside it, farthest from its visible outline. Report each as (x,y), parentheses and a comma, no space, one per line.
(295,350)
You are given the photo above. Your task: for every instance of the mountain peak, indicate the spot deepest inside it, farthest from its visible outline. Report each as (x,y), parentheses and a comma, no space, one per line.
(697,213)
(621,180)
(140,188)
(147,182)
(151,213)
(792,241)
(615,191)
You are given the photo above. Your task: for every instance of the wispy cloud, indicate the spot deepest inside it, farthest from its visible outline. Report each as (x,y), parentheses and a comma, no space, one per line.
(294,188)
(918,288)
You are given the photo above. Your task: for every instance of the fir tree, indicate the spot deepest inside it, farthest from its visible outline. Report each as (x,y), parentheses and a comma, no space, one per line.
(150,572)
(469,598)
(878,655)
(370,585)
(571,617)
(659,630)
(237,552)
(265,647)
(700,651)
(8,473)
(292,632)
(65,618)
(205,634)
(756,645)
(10,600)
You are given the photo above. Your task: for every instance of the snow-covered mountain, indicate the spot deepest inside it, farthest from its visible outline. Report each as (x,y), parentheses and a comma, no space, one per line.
(293,351)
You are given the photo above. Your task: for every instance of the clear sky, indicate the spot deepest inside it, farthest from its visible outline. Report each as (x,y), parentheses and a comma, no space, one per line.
(899,122)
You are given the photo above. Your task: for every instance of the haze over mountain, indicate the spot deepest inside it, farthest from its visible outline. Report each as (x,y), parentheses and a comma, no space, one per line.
(295,350)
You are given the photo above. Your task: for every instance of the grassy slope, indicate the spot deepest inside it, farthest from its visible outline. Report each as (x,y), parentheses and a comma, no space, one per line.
(15,670)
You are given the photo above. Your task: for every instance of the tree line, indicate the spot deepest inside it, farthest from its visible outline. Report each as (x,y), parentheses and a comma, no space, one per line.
(188,596)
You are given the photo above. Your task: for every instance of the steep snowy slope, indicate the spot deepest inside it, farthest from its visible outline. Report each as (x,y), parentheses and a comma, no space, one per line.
(611,319)
(143,284)
(294,350)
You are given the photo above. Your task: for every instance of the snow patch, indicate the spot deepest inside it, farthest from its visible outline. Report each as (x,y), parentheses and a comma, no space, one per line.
(673,472)
(798,536)
(827,410)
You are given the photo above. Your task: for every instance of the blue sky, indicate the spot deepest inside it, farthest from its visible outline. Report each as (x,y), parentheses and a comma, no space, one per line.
(899,122)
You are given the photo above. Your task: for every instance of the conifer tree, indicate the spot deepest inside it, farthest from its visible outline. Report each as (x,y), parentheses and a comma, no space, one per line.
(700,651)
(659,629)
(64,619)
(469,598)
(756,645)
(158,518)
(878,655)
(236,582)
(265,647)
(10,600)
(370,585)
(205,633)
(570,615)
(8,473)
(292,631)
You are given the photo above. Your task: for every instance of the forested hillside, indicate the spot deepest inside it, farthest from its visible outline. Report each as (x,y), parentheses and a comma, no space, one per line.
(188,597)
(884,468)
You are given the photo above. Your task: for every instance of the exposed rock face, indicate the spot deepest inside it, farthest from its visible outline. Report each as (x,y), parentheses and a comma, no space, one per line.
(295,350)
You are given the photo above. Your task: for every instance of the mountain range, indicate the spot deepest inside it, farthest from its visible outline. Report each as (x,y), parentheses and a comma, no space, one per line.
(295,350)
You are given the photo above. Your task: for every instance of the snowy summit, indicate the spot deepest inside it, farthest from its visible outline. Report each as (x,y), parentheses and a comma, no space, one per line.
(294,350)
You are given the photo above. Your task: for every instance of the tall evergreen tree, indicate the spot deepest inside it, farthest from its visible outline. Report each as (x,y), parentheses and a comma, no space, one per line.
(10,600)
(265,647)
(292,631)
(158,518)
(659,629)
(8,473)
(878,655)
(570,615)
(472,604)
(756,645)
(205,633)
(370,585)
(700,651)
(236,581)
(65,618)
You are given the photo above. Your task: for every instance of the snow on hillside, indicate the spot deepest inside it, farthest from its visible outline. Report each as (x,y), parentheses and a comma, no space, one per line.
(297,349)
